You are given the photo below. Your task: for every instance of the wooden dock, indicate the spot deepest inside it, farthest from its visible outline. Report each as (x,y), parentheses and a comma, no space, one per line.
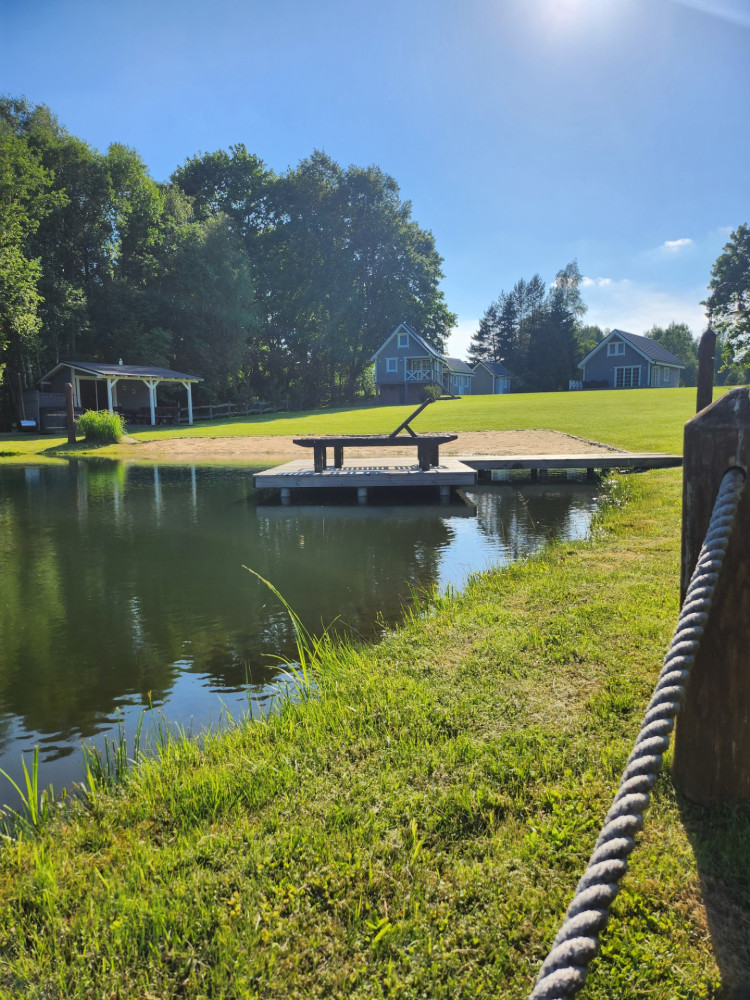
(590,461)
(363,474)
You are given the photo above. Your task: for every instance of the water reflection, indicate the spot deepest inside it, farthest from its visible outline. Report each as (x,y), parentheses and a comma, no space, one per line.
(122,586)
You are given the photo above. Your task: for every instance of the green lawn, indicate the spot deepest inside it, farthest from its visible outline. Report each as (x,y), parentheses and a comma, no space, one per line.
(639,420)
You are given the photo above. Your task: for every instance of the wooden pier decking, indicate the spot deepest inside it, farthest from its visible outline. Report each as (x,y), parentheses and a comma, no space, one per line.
(366,473)
(452,471)
(584,460)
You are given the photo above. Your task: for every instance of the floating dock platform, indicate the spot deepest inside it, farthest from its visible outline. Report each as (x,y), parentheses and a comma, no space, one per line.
(363,474)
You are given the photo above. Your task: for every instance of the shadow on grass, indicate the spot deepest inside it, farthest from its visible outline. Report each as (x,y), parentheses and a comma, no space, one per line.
(720,838)
(13,445)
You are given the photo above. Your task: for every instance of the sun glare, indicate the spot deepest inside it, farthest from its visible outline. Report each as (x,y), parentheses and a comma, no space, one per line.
(575,17)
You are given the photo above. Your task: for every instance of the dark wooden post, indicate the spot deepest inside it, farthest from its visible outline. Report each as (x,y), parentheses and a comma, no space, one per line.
(706,356)
(70,414)
(21,407)
(712,744)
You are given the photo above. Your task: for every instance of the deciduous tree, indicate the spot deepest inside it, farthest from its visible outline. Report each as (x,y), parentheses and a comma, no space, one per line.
(678,340)
(729,299)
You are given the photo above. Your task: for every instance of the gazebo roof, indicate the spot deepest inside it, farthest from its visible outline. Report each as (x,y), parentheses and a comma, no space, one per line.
(100,370)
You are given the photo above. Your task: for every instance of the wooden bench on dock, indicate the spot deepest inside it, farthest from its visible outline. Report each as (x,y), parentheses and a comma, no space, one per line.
(427,445)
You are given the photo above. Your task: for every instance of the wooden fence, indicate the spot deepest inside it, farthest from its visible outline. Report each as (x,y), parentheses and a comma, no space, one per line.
(214,411)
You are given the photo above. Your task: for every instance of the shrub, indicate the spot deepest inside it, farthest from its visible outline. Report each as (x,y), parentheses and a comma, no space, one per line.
(101,426)
(432,392)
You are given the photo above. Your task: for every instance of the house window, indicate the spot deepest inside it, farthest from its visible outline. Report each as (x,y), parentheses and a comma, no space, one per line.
(655,375)
(665,375)
(614,348)
(391,364)
(420,364)
(403,340)
(627,378)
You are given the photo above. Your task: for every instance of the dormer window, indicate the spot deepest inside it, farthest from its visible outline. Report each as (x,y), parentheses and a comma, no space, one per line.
(615,348)
(403,340)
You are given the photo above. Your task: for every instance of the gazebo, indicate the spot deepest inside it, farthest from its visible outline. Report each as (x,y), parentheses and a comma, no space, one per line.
(128,388)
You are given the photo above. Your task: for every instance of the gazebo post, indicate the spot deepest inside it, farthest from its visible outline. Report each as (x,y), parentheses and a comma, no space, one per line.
(152,384)
(111,383)
(189,387)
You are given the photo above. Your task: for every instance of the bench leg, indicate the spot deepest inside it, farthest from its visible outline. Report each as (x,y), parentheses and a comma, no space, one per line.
(319,457)
(338,456)
(428,454)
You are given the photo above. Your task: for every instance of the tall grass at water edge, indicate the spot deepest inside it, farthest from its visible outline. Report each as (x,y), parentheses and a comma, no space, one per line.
(110,767)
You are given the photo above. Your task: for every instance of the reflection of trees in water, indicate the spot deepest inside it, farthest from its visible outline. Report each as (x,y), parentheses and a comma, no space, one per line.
(114,581)
(523,516)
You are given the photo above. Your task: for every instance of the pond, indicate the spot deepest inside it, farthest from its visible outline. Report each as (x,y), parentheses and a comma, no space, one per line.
(122,586)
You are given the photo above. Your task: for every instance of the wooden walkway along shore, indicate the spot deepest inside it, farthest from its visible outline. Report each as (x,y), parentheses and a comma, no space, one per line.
(538,465)
(363,474)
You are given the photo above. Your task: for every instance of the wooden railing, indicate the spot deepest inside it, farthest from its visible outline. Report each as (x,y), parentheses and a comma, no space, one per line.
(214,411)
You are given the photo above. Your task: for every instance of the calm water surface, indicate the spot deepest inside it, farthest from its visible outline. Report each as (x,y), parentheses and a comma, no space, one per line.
(123,586)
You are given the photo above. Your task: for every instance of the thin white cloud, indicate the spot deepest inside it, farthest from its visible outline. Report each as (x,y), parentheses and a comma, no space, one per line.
(637,307)
(672,246)
(595,282)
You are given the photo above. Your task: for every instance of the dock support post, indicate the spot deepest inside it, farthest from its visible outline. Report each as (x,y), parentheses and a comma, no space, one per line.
(361,494)
(534,475)
(590,474)
(542,473)
(286,495)
(445,494)
(712,743)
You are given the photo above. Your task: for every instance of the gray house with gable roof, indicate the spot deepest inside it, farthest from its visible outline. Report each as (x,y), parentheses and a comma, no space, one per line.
(405,363)
(627,361)
(492,378)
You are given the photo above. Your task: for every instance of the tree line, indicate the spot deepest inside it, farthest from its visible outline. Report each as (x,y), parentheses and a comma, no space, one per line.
(538,333)
(265,284)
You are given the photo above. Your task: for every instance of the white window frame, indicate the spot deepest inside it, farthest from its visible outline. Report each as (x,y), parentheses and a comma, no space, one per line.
(391,365)
(655,374)
(615,348)
(628,382)
(665,375)
(420,364)
(403,340)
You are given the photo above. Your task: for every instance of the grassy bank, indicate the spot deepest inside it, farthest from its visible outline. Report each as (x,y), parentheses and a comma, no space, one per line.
(417,827)
(637,420)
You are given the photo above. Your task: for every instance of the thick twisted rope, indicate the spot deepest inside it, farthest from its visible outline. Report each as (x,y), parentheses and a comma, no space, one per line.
(565,969)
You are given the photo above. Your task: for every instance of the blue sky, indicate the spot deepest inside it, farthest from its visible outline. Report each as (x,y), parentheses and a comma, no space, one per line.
(525,133)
